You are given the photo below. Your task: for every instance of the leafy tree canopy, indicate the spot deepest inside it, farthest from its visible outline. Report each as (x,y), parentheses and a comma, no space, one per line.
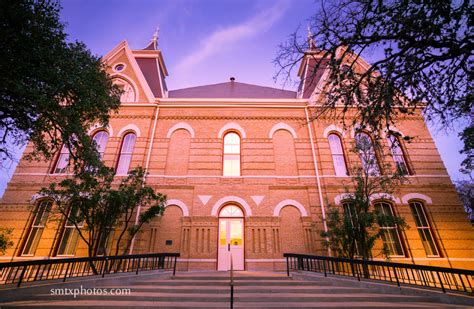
(96,206)
(5,240)
(352,230)
(51,91)
(420,50)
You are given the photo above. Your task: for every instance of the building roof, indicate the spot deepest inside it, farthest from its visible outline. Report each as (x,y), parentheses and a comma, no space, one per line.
(232,90)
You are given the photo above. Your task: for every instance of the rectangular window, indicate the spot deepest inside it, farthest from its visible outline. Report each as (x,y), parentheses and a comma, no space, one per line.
(70,236)
(337,152)
(391,237)
(63,161)
(37,227)
(367,154)
(105,242)
(351,214)
(398,155)
(424,228)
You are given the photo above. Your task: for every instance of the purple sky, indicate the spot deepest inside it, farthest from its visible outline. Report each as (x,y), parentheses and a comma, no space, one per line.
(205,42)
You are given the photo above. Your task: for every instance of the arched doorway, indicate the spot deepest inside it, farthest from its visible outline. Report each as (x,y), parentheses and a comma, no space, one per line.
(231,238)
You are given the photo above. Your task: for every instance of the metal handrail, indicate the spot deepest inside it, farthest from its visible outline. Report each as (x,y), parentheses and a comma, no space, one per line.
(446,279)
(63,268)
(231,282)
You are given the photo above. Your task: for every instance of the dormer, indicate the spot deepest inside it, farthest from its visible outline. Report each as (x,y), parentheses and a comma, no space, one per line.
(140,73)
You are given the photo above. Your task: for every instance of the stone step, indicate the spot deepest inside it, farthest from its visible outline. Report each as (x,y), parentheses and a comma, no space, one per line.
(226,283)
(172,305)
(251,290)
(247,297)
(236,278)
(242,289)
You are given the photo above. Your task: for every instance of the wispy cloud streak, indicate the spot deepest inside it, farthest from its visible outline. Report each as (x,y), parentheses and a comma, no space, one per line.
(222,38)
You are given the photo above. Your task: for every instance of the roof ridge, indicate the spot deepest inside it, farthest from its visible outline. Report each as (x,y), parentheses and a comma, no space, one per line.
(230,82)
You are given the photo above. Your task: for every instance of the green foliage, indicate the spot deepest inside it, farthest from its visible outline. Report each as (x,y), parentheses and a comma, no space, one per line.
(465,190)
(353,231)
(5,241)
(421,56)
(101,205)
(52,91)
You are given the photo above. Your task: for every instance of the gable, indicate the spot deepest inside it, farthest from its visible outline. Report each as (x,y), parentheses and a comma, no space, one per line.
(131,72)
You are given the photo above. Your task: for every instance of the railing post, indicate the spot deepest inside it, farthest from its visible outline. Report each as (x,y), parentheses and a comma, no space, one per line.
(21,275)
(441,282)
(324,268)
(174,266)
(67,270)
(287,267)
(356,265)
(396,276)
(138,265)
(105,267)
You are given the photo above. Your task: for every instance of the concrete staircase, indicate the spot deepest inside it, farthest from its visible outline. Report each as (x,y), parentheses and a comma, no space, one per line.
(211,290)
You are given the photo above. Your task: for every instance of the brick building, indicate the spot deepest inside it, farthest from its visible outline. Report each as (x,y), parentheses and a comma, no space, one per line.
(244,172)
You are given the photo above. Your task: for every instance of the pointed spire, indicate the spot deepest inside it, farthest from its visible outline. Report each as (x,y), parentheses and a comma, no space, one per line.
(153,45)
(311,43)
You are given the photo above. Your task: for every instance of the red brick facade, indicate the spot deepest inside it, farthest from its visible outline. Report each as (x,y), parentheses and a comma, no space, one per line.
(287,177)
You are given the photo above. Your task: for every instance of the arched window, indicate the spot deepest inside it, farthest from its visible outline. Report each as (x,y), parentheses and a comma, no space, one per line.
(337,152)
(367,154)
(398,155)
(62,162)
(231,166)
(37,227)
(231,211)
(100,139)
(391,237)
(126,153)
(424,229)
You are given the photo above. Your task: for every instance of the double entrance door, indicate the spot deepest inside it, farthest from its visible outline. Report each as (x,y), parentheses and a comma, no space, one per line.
(231,244)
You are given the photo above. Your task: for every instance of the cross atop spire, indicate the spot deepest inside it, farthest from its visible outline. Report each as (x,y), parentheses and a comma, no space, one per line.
(154,41)
(156,35)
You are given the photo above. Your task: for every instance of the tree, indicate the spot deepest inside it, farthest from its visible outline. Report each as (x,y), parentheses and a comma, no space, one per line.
(465,190)
(422,55)
(89,201)
(5,241)
(51,91)
(131,195)
(354,230)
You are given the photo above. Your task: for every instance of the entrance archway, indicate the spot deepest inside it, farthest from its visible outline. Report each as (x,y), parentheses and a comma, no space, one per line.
(231,238)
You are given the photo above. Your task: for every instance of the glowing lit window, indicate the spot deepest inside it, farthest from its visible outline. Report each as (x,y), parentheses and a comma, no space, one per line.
(398,155)
(424,229)
(37,227)
(62,162)
(231,154)
(126,153)
(390,237)
(231,211)
(367,154)
(337,155)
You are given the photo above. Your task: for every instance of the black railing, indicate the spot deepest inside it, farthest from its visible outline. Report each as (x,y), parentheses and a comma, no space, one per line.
(38,270)
(446,279)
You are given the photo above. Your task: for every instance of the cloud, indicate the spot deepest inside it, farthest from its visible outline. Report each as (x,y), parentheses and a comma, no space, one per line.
(221,38)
